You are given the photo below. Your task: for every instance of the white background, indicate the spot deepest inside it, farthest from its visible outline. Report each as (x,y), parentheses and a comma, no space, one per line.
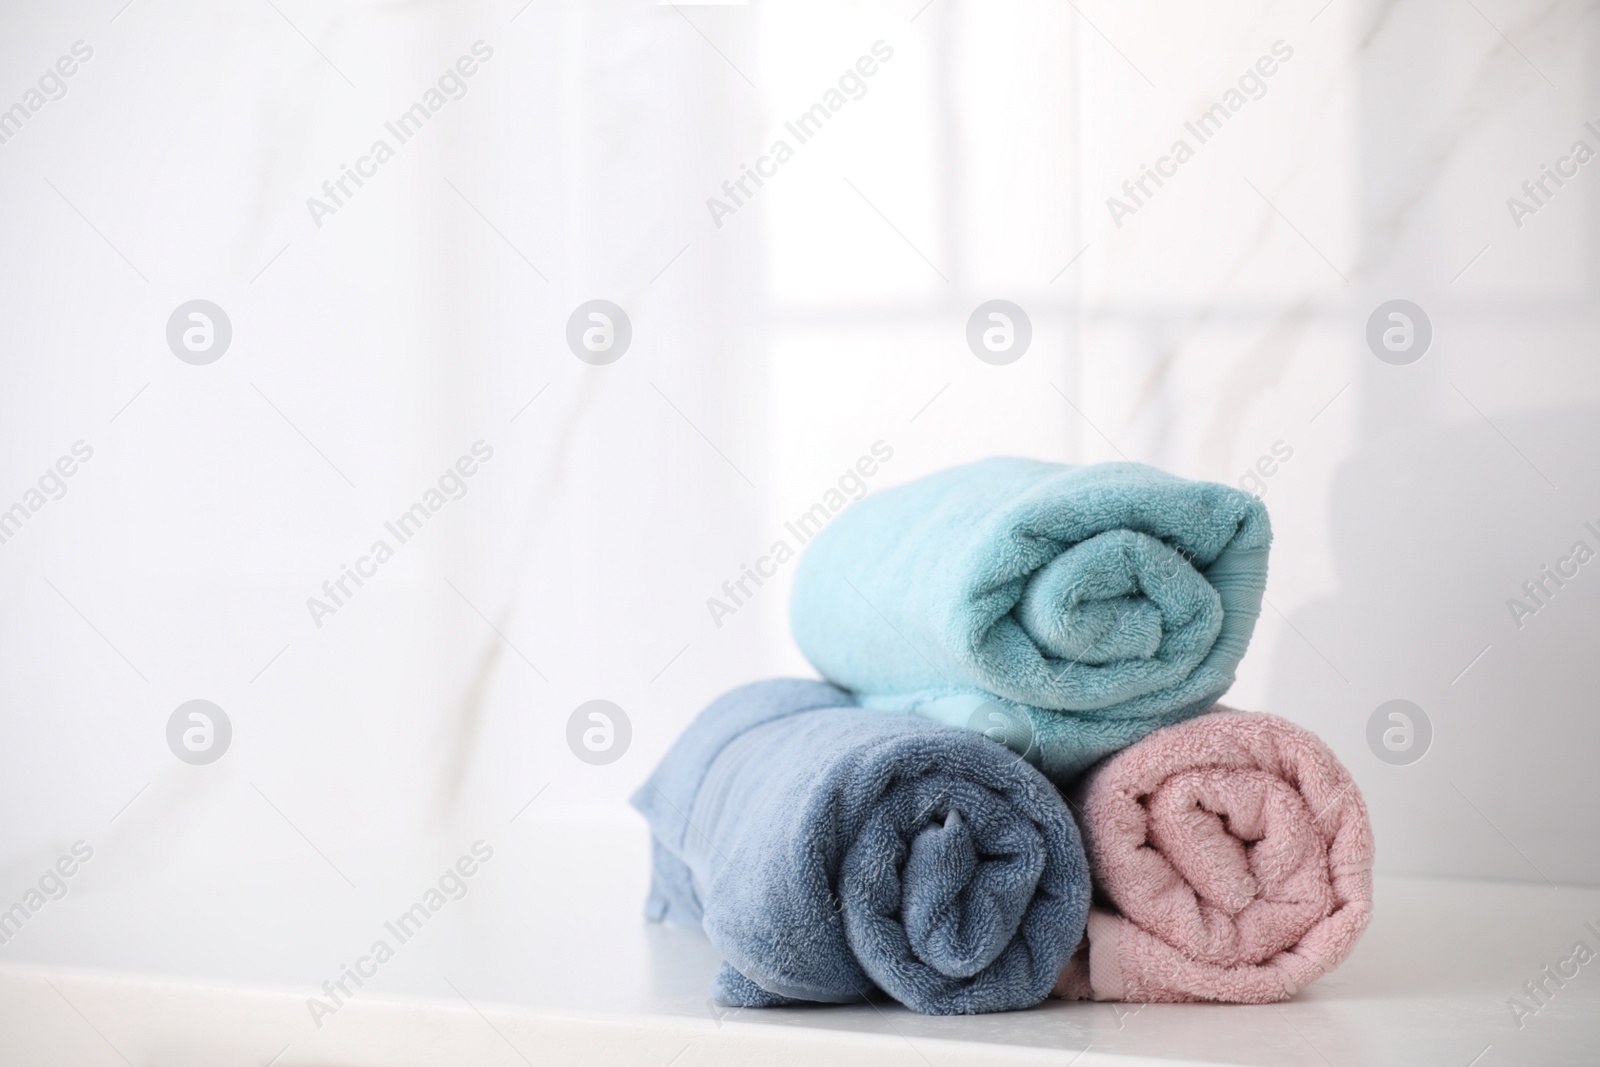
(1226,315)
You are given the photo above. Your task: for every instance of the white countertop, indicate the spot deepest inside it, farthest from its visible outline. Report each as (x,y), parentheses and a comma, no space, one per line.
(547,960)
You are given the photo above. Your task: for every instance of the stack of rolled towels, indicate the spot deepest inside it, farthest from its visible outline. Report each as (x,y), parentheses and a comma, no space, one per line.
(1016,780)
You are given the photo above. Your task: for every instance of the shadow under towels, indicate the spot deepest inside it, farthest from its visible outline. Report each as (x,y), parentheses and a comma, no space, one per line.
(828,851)
(1064,611)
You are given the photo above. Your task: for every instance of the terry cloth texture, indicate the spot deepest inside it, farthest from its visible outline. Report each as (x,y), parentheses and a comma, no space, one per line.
(828,851)
(1232,861)
(1064,611)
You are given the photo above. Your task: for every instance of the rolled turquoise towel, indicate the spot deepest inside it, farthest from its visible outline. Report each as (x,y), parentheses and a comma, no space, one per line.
(1066,611)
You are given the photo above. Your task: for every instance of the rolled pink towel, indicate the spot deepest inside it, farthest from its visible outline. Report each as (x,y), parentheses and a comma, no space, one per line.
(1231,858)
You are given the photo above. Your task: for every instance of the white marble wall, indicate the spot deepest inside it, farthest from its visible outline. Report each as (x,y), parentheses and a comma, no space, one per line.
(1225,315)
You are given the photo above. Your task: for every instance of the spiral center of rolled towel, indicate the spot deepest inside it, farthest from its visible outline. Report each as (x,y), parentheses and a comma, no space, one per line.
(1248,849)
(949,929)
(1113,598)
(965,877)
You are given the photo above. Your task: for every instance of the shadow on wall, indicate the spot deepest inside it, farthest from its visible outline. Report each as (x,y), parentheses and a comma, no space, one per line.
(1434,531)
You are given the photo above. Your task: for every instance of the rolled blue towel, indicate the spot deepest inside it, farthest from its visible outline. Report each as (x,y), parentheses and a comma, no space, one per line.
(828,852)
(1065,611)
